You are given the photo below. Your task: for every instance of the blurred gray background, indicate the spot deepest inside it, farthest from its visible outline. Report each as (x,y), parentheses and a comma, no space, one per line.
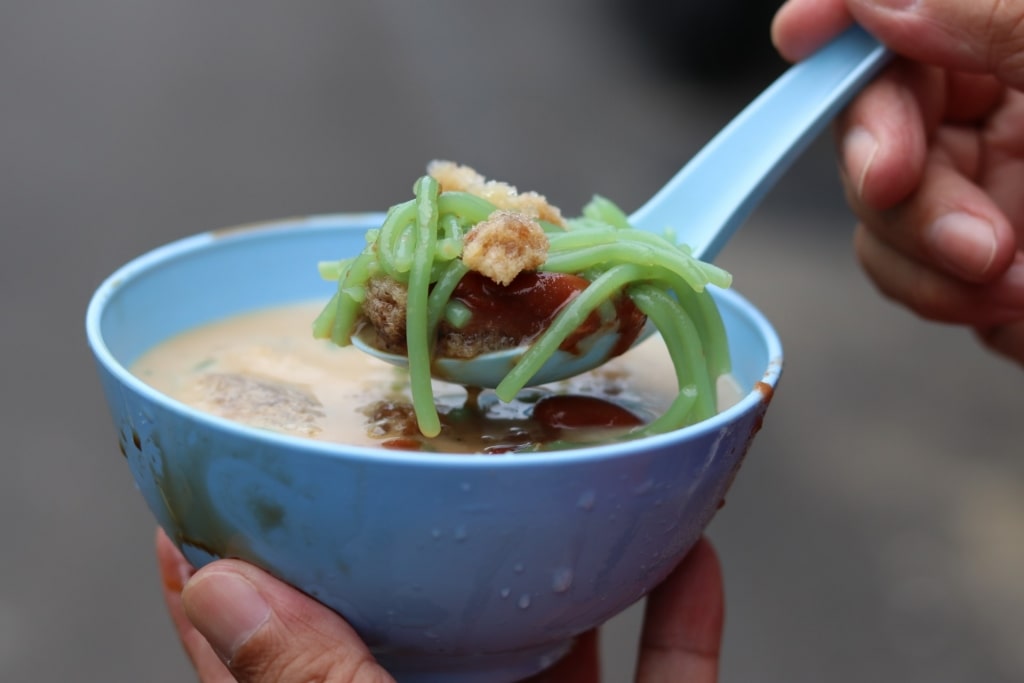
(877,530)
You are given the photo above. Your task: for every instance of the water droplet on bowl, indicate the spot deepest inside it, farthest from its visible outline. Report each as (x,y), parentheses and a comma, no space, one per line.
(524,601)
(561,581)
(586,500)
(505,592)
(518,568)
(460,533)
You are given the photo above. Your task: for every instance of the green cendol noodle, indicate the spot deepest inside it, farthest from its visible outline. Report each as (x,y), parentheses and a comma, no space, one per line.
(420,246)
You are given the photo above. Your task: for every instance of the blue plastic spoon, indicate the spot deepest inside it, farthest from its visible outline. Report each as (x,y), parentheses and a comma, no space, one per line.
(717,190)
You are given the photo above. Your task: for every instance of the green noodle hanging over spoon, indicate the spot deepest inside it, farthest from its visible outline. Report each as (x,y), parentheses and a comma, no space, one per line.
(454,276)
(430,259)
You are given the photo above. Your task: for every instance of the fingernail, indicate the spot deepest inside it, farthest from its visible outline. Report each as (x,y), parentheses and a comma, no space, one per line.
(226,609)
(859,150)
(963,243)
(180,575)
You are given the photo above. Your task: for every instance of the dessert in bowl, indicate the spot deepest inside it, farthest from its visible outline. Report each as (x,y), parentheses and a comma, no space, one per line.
(451,567)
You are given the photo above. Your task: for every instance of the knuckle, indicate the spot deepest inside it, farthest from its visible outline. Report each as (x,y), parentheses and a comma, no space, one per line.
(258,659)
(274,658)
(1006,339)
(929,298)
(917,287)
(1006,27)
(364,670)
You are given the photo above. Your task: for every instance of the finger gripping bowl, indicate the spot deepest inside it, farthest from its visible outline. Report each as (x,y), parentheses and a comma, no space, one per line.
(453,568)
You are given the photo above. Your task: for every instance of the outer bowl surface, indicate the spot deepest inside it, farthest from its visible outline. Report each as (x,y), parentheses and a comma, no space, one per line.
(453,568)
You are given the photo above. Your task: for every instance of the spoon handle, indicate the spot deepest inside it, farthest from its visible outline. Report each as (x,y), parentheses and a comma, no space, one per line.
(708,199)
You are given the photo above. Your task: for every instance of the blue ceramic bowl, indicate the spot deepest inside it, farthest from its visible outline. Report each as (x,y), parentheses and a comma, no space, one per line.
(453,568)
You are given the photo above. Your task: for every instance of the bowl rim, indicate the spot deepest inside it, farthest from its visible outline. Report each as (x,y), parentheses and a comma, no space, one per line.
(182,247)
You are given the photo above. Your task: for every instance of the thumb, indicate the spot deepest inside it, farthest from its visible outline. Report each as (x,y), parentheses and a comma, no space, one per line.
(266,631)
(981,36)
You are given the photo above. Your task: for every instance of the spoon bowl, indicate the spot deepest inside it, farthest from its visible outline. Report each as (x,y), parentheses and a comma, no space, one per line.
(711,196)
(486,370)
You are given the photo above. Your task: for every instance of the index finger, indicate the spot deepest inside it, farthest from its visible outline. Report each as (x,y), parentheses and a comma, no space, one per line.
(682,632)
(174,573)
(802,26)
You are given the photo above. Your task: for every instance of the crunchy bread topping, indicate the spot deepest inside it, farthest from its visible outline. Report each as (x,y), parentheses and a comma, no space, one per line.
(457,177)
(504,245)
